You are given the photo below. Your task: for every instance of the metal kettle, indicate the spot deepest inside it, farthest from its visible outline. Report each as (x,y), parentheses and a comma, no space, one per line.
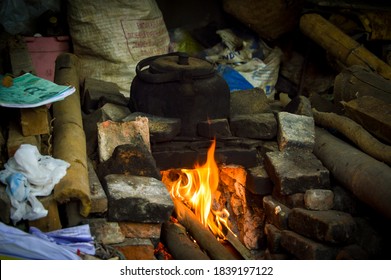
(179,86)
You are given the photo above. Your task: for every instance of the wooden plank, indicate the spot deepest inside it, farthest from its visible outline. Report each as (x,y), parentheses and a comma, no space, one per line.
(357,81)
(373,114)
(16,138)
(35,121)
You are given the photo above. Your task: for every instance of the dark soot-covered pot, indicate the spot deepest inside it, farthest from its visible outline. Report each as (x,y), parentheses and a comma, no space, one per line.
(178,86)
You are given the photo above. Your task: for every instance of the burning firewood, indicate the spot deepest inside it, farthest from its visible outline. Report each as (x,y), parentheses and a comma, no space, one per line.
(196,190)
(205,238)
(176,239)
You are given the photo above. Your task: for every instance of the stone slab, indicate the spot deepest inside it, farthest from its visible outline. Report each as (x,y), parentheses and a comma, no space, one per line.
(273,239)
(95,90)
(136,249)
(299,105)
(330,226)
(291,200)
(187,157)
(130,159)
(99,203)
(257,126)
(295,132)
(112,134)
(217,128)
(258,181)
(106,232)
(244,157)
(175,159)
(276,213)
(160,129)
(252,101)
(304,248)
(114,112)
(137,199)
(141,230)
(296,171)
(319,199)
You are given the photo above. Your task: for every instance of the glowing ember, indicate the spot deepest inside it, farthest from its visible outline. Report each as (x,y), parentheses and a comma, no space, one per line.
(196,188)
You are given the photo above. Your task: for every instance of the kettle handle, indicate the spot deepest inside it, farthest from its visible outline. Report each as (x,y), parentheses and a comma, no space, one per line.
(161,77)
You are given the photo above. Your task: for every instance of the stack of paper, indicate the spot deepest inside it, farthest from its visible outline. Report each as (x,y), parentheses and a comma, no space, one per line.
(30,91)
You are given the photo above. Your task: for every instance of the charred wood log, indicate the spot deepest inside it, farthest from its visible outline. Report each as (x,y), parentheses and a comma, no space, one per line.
(176,239)
(367,178)
(204,237)
(356,133)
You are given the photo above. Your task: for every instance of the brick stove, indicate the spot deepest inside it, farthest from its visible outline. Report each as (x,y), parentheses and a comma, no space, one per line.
(283,203)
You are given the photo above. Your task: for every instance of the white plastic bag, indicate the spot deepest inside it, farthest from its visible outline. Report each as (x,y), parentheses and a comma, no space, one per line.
(239,54)
(24,205)
(263,73)
(29,174)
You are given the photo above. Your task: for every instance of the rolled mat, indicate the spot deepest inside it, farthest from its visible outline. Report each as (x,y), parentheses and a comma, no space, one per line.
(69,142)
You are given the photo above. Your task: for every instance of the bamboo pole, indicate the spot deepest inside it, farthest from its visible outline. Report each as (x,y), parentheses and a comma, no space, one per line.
(340,45)
(69,141)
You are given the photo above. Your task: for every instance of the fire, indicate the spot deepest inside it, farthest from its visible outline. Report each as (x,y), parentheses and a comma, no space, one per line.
(196,188)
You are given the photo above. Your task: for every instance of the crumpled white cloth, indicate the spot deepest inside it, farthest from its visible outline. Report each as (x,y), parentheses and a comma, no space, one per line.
(29,174)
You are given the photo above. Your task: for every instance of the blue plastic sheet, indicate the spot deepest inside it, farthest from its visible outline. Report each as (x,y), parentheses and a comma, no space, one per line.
(22,245)
(233,78)
(76,239)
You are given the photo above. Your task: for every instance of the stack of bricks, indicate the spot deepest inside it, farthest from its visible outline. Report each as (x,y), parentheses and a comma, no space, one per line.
(129,201)
(302,221)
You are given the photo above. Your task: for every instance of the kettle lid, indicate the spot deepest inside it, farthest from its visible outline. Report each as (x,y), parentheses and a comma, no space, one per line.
(174,67)
(182,62)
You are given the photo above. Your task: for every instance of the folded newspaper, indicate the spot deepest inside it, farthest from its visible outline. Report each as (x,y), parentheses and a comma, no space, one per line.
(30,91)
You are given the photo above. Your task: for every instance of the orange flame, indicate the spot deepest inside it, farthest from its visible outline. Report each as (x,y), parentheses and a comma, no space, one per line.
(196,187)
